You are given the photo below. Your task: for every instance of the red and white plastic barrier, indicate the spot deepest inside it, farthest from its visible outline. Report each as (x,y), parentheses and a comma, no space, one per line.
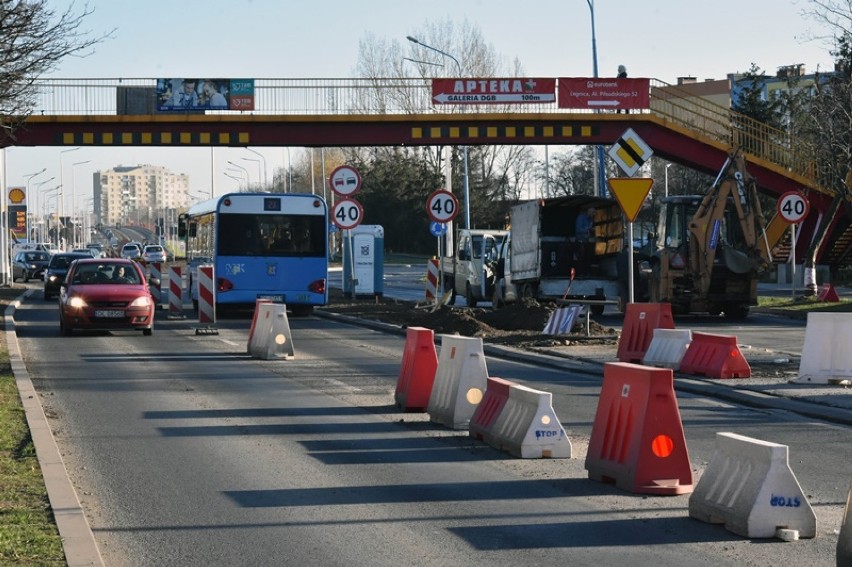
(269,336)
(155,272)
(460,381)
(637,438)
(432,271)
(667,348)
(844,539)
(749,487)
(640,320)
(206,294)
(417,372)
(826,355)
(175,293)
(521,421)
(715,356)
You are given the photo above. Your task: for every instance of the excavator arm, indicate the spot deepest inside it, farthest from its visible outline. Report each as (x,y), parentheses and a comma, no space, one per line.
(705,227)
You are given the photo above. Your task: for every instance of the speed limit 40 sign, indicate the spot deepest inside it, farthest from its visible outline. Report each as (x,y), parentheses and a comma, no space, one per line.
(793,207)
(347,214)
(442,206)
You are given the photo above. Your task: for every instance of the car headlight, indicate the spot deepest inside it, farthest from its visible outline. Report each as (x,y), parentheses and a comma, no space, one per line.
(143,301)
(77,302)
(53,278)
(32,266)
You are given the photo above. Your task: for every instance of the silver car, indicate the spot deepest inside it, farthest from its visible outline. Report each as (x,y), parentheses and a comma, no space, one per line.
(154,253)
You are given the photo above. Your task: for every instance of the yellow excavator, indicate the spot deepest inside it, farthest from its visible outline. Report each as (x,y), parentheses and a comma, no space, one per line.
(711,249)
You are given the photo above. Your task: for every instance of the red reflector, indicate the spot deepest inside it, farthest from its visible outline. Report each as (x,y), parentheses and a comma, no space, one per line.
(662,446)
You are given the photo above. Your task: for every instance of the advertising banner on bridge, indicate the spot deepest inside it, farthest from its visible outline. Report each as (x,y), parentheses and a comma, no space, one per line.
(189,94)
(493,91)
(604,93)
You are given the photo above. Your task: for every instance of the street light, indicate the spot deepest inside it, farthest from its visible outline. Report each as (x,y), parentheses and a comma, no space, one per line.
(668,165)
(46,210)
(61,190)
(74,241)
(464,148)
(600,169)
(29,177)
(263,157)
(256,161)
(35,194)
(239,180)
(248,177)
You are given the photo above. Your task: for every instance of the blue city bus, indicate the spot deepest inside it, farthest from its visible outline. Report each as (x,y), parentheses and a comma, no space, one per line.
(262,246)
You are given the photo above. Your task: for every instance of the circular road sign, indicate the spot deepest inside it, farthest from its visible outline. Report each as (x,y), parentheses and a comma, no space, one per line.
(348,213)
(345,180)
(438,228)
(442,206)
(793,207)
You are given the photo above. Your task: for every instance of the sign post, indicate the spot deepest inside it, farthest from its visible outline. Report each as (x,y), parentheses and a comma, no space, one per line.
(630,194)
(793,208)
(442,207)
(439,230)
(348,213)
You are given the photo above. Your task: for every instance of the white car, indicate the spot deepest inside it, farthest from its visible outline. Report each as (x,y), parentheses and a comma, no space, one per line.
(154,253)
(131,250)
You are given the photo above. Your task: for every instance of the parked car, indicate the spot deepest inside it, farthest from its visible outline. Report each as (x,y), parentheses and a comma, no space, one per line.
(154,253)
(90,252)
(131,251)
(57,270)
(29,265)
(105,294)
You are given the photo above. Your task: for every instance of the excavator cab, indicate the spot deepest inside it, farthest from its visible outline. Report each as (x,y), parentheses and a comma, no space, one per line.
(708,253)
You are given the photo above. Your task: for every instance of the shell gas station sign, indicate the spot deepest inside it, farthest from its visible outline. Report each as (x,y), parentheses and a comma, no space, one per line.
(16,200)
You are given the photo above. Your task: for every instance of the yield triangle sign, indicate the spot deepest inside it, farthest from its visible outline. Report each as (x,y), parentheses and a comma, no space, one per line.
(630,193)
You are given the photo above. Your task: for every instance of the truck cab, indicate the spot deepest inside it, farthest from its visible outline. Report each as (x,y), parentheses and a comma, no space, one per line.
(470,271)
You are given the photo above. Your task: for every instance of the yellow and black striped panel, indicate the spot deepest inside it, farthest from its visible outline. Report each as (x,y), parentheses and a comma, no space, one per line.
(519,132)
(143,138)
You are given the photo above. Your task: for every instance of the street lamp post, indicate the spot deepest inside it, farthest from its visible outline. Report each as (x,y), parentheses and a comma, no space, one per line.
(257,162)
(248,177)
(262,157)
(239,180)
(61,206)
(29,177)
(600,163)
(38,200)
(668,165)
(464,148)
(74,241)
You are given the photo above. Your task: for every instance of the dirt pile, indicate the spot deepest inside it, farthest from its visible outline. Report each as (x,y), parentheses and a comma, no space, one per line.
(519,324)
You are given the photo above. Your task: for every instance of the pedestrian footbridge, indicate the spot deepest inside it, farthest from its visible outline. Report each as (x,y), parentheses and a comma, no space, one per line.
(678,126)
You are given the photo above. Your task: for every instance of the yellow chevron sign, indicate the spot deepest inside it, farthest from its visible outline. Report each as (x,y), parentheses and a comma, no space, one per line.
(630,193)
(630,152)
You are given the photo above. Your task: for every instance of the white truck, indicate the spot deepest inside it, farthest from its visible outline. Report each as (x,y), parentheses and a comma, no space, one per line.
(542,258)
(469,272)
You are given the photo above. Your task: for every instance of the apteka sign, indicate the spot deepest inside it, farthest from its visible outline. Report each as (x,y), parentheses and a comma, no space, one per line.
(493,91)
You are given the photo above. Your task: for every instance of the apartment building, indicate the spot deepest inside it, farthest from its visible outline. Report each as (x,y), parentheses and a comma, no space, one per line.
(139,195)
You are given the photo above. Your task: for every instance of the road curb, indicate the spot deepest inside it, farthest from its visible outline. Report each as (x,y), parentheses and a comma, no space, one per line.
(78,541)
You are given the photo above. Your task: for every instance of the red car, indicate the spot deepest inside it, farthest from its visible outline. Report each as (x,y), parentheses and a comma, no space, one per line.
(105,294)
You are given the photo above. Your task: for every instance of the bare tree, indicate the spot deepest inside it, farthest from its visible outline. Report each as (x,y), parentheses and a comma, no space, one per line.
(33,40)
(826,121)
(495,172)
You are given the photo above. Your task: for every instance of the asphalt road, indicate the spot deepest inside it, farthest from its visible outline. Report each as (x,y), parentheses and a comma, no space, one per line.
(184,451)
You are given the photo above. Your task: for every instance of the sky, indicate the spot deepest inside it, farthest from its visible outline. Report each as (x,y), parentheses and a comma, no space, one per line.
(660,39)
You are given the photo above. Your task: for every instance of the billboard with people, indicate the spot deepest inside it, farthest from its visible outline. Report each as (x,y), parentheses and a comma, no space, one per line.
(189,94)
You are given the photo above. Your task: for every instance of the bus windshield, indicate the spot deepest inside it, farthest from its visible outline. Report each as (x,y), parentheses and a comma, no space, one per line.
(271,235)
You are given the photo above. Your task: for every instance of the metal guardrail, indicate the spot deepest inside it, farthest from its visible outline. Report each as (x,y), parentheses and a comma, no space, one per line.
(413,96)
